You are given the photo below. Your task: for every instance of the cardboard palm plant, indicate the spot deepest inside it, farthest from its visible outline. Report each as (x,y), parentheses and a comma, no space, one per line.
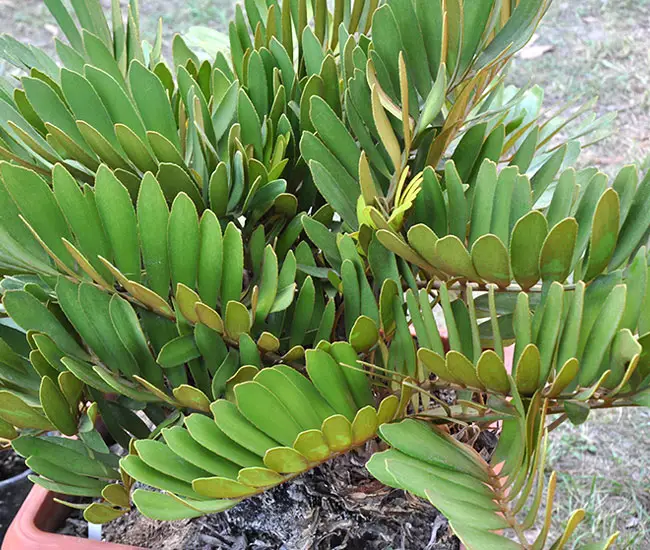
(241,267)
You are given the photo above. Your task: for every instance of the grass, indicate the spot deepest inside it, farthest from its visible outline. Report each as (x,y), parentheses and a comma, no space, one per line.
(602,467)
(599,48)
(179,16)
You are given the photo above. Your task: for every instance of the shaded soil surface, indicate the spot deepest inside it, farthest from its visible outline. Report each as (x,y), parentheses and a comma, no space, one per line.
(75,525)
(11,496)
(336,506)
(10,464)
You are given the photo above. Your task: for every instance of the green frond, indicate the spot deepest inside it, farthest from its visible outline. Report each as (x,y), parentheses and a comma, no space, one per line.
(280,424)
(489,505)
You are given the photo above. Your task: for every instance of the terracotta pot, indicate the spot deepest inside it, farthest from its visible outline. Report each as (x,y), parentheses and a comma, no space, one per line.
(13,491)
(38,517)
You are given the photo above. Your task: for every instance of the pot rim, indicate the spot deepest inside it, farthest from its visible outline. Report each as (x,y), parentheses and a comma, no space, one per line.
(38,516)
(8,482)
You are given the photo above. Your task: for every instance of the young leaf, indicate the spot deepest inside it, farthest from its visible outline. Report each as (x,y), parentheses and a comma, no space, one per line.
(233,265)
(491,261)
(526,245)
(119,220)
(557,252)
(152,102)
(153,219)
(30,314)
(602,334)
(335,135)
(604,234)
(183,242)
(38,206)
(263,408)
(330,381)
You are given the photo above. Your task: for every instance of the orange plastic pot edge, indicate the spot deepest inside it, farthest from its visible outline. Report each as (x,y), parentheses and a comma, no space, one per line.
(39,515)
